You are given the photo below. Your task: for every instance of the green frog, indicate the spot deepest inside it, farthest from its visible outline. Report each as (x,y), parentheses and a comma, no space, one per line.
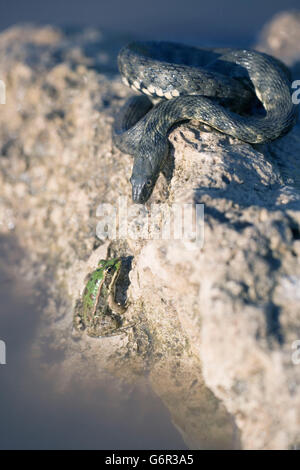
(97,311)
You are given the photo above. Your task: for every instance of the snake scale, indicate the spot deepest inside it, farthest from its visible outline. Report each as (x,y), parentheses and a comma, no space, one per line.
(242,93)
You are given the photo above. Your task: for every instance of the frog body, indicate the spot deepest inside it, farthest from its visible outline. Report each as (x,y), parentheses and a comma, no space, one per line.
(97,311)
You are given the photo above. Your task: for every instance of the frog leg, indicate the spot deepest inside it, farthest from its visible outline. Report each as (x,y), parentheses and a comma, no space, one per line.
(118,331)
(77,319)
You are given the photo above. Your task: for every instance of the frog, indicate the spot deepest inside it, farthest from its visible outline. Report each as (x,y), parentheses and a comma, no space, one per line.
(97,312)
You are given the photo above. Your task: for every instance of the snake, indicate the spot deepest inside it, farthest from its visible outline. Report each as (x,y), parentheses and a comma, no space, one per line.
(242,93)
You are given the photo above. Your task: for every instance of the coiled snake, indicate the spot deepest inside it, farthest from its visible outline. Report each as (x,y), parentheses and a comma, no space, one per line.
(218,87)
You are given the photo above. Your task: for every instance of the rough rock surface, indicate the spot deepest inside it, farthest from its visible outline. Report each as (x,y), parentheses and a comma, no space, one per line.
(214,325)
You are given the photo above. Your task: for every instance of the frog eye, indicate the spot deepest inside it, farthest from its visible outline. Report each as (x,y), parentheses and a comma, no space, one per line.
(149,183)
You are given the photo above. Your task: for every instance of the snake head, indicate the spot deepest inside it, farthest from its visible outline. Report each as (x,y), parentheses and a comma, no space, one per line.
(143,179)
(149,159)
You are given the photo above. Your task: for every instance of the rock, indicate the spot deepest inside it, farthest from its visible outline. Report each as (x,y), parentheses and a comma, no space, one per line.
(215,321)
(281,36)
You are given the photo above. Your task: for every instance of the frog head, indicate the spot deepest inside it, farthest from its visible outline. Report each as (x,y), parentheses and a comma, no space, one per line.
(109,265)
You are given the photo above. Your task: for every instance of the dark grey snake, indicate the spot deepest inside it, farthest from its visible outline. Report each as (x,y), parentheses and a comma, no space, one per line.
(218,87)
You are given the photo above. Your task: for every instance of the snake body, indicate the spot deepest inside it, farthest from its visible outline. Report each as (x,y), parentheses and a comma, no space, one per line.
(218,87)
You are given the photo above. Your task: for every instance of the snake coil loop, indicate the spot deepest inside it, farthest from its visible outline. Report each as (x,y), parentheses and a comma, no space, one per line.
(215,86)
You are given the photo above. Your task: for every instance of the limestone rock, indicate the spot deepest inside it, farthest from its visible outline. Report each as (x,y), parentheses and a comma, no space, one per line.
(214,323)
